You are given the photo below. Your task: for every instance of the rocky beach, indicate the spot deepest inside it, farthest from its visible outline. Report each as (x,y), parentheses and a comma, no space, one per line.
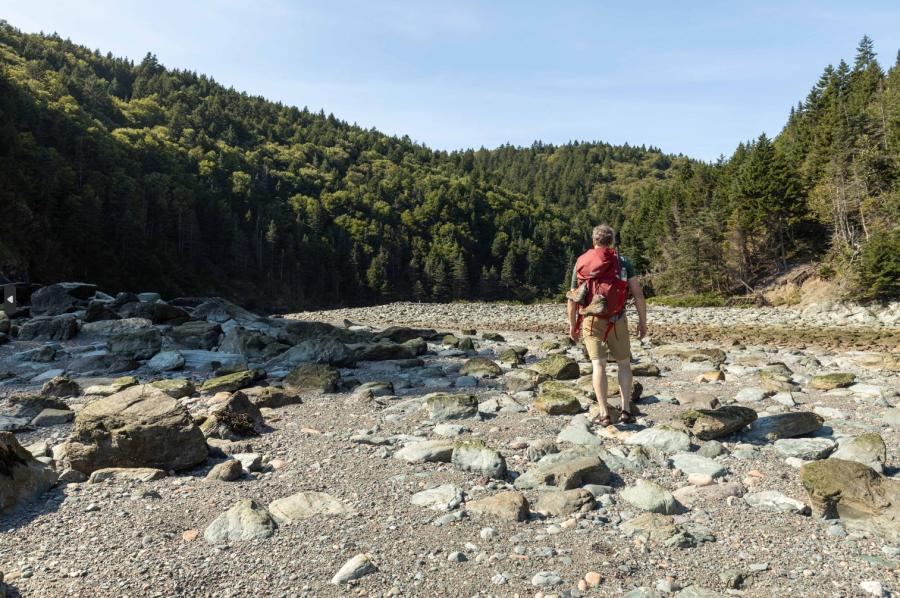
(187,446)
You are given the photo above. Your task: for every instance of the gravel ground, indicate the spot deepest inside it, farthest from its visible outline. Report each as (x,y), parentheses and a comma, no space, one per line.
(123,538)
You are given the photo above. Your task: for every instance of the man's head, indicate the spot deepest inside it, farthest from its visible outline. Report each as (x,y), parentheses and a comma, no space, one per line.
(603,235)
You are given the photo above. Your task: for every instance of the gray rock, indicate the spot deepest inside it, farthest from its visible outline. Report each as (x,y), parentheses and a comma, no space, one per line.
(441,498)
(166,361)
(785,425)
(650,496)
(443,407)
(249,461)
(227,471)
(690,463)
(305,505)
(314,350)
(22,477)
(712,449)
(808,449)
(196,335)
(772,500)
(750,395)
(578,431)
(546,579)
(662,438)
(244,521)
(60,298)
(426,451)
(141,344)
(106,328)
(357,567)
(868,449)
(473,455)
(53,328)
(52,417)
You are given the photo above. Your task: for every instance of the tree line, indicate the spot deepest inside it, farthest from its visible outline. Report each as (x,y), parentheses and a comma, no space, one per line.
(140,177)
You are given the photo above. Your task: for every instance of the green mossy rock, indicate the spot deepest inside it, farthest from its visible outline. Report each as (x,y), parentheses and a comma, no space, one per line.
(313,377)
(832,381)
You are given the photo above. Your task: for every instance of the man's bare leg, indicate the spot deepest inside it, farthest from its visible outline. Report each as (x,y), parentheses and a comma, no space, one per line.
(601,390)
(625,383)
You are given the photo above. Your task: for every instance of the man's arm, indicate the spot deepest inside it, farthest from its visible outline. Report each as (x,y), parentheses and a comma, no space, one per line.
(572,310)
(634,285)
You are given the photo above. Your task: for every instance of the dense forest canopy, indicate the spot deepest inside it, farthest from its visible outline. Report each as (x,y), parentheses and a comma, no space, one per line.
(140,177)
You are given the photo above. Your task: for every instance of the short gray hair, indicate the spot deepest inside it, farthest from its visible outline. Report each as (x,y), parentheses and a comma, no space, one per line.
(603,235)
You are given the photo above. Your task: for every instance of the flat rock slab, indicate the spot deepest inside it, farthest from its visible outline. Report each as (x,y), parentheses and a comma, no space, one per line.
(690,463)
(785,425)
(808,449)
(772,500)
(661,438)
(442,498)
(137,474)
(569,474)
(305,505)
(427,451)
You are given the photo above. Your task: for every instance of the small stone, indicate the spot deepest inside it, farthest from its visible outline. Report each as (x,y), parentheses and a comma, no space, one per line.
(593,579)
(546,579)
(359,566)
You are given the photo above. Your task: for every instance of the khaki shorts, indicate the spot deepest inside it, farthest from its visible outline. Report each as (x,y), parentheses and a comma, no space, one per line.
(617,345)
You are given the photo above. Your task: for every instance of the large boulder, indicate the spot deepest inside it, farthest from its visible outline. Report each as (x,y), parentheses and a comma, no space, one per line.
(196,335)
(707,424)
(49,328)
(139,427)
(22,477)
(785,425)
(314,350)
(861,497)
(140,344)
(558,367)
(60,298)
(252,344)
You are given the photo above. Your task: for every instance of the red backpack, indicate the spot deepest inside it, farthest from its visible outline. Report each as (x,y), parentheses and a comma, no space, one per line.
(598,270)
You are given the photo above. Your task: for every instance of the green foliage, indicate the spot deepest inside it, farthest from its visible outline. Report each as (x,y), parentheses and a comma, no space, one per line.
(879,267)
(135,176)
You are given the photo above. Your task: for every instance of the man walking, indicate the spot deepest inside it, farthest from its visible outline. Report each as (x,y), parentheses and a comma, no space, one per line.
(596,308)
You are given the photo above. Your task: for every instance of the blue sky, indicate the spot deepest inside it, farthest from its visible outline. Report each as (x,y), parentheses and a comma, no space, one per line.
(690,77)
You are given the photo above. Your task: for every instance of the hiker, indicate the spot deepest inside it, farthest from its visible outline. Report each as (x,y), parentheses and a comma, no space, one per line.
(601,282)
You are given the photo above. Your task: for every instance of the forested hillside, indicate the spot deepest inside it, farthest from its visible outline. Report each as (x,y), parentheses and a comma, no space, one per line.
(136,176)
